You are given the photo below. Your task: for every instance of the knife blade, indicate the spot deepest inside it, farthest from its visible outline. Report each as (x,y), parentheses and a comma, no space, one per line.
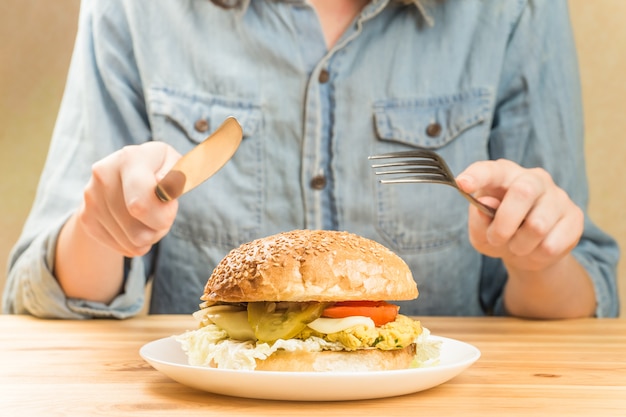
(201,162)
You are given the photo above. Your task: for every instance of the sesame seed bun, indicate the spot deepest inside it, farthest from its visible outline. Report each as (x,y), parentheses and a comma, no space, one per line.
(310,265)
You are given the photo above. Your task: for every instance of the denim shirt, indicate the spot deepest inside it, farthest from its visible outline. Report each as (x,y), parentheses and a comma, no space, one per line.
(471,79)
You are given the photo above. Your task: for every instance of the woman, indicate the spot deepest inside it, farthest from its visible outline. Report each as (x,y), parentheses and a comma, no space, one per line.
(318,86)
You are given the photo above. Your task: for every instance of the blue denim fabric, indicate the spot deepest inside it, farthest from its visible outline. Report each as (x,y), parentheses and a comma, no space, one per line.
(499,77)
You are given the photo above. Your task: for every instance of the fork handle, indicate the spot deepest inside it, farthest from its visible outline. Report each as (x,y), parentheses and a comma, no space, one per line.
(489,211)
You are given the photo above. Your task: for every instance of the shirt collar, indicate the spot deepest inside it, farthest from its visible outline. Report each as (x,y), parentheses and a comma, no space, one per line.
(424,6)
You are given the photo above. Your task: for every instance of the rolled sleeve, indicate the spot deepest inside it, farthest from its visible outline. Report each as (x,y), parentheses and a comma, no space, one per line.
(34,290)
(601,273)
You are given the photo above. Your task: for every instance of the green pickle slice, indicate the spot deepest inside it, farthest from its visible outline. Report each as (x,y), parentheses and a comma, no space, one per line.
(271,321)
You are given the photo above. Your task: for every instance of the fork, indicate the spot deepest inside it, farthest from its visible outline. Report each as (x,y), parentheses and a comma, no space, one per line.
(422,166)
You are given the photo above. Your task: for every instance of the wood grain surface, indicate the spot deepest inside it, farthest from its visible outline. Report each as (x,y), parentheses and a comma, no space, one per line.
(542,368)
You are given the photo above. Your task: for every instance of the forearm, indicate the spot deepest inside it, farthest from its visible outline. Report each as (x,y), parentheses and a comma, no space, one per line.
(563,290)
(84,267)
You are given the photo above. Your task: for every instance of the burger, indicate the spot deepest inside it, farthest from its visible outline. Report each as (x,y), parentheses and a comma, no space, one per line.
(308,301)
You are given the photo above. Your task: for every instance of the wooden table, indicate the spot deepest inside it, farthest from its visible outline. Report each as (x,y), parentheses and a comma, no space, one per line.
(539,368)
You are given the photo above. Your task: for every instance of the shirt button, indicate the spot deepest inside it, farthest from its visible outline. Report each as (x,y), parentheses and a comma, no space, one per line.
(324,76)
(433,130)
(318,182)
(201,125)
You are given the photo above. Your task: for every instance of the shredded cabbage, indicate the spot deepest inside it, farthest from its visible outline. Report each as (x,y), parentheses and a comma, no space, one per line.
(211,346)
(427,350)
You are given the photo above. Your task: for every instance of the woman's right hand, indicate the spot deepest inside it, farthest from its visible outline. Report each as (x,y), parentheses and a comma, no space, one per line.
(120,208)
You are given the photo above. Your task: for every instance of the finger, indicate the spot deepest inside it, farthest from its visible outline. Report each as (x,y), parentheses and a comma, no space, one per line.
(537,226)
(478,224)
(99,224)
(130,233)
(483,180)
(139,178)
(141,217)
(521,198)
(565,235)
(106,214)
(518,189)
(559,242)
(488,177)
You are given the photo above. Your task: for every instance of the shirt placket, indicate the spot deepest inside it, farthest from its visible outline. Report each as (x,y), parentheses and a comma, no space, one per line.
(314,174)
(317,174)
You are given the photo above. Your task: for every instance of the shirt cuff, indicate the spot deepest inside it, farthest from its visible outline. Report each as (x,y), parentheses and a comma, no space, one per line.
(606,294)
(37,292)
(125,305)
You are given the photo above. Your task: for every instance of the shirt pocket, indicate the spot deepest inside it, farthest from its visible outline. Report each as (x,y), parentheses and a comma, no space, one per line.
(429,216)
(225,210)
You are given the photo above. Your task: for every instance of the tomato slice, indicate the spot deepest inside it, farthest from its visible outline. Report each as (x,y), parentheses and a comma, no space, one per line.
(381,312)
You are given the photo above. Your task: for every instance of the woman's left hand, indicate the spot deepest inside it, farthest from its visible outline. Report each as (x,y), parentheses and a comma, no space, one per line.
(536,223)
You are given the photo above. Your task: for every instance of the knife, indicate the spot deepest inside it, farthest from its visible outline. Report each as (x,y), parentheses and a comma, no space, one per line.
(201,162)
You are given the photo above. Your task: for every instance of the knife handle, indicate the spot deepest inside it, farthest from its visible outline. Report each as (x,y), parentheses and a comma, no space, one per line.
(171,186)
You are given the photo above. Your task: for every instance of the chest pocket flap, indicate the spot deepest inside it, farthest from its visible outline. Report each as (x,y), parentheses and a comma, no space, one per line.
(197,115)
(431,122)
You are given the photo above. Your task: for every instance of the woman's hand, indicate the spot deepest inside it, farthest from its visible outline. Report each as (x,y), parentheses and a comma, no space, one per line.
(536,223)
(120,207)
(120,216)
(535,228)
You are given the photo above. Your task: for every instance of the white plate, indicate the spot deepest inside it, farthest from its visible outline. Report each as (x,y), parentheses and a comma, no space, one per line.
(166,356)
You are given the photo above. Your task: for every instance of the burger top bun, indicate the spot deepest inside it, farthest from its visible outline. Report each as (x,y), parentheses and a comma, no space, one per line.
(310,265)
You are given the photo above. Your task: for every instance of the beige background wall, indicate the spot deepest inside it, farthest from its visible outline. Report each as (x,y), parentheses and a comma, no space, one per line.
(36,38)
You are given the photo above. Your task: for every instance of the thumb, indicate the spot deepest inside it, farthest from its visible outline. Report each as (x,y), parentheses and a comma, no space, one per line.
(488,177)
(466,182)
(169,158)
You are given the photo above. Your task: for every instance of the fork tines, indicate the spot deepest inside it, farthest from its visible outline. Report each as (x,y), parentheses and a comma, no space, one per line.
(423,166)
(418,166)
